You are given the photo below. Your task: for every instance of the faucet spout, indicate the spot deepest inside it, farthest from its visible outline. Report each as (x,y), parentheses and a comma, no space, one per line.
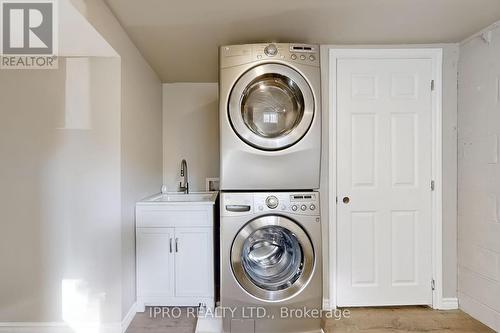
(184,183)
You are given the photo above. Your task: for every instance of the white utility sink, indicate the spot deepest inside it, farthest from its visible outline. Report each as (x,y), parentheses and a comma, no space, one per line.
(179,198)
(174,241)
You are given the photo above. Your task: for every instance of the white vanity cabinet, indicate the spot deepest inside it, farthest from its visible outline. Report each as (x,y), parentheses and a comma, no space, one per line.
(175,252)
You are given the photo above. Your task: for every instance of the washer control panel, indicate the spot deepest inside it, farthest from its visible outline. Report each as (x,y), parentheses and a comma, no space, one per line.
(306,203)
(243,203)
(303,202)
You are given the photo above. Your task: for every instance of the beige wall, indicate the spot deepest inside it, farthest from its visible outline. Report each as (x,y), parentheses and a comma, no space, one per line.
(449,161)
(61,210)
(190,131)
(479,180)
(141,132)
(79,145)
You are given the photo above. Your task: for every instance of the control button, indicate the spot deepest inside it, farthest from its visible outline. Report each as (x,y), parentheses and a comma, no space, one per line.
(302,57)
(303,207)
(261,208)
(272,202)
(312,58)
(312,207)
(259,56)
(271,50)
(293,56)
(283,207)
(294,208)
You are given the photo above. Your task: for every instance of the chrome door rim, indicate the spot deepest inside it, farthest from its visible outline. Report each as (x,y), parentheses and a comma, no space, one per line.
(242,277)
(253,139)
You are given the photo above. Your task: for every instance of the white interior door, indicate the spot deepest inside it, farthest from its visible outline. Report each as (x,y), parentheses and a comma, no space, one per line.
(384,147)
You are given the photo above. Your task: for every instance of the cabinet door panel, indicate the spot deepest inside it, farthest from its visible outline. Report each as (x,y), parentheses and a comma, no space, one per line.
(155,262)
(194,262)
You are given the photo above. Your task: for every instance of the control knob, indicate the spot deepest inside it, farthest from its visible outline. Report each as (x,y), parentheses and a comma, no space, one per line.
(271,50)
(272,202)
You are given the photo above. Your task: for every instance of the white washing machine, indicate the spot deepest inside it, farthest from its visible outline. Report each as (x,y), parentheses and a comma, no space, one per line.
(270,117)
(270,262)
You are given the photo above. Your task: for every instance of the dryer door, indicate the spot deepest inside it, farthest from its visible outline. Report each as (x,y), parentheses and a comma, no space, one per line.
(272,258)
(271,107)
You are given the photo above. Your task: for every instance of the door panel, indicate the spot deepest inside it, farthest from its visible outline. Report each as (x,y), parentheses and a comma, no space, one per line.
(155,262)
(384,113)
(364,152)
(364,249)
(404,140)
(193,262)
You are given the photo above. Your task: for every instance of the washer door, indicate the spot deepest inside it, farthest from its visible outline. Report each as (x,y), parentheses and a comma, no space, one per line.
(272,258)
(271,107)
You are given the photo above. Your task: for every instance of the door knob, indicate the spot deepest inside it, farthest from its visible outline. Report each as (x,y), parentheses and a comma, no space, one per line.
(346,200)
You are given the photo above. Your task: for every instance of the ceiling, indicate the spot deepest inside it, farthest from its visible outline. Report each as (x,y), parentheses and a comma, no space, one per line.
(180,39)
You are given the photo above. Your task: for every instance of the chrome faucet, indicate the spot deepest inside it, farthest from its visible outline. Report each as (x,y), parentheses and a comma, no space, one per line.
(184,183)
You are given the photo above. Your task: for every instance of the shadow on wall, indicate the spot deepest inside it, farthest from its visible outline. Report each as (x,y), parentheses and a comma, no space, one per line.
(60,245)
(191,123)
(60,138)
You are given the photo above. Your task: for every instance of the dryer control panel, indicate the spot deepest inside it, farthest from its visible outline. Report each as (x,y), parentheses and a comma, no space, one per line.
(298,203)
(301,54)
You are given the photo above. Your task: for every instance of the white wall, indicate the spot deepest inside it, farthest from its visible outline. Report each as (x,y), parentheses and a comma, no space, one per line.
(450,55)
(190,131)
(141,132)
(479,179)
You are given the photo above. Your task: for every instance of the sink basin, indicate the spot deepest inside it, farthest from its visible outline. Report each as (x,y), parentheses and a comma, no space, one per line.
(182,198)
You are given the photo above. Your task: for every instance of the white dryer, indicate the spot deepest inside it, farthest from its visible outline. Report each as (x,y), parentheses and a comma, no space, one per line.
(270,117)
(271,260)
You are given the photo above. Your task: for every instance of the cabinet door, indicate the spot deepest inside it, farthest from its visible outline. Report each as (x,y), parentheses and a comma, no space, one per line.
(155,262)
(194,262)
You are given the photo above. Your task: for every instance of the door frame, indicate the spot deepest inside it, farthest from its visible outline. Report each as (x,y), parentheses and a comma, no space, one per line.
(436,55)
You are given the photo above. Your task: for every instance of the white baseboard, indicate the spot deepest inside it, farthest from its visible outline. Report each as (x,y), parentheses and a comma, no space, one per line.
(62,327)
(129,317)
(450,303)
(479,311)
(32,327)
(326,304)
(55,327)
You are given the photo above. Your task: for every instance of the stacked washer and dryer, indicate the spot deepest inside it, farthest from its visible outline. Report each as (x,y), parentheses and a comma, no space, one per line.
(270,144)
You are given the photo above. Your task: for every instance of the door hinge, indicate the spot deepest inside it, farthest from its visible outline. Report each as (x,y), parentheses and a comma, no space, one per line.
(432,85)
(433,284)
(432,185)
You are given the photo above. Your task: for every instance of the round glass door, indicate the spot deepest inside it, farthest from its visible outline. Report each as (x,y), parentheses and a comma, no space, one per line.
(272,258)
(271,107)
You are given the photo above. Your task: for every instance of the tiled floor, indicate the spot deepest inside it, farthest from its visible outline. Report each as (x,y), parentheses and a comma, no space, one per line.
(363,320)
